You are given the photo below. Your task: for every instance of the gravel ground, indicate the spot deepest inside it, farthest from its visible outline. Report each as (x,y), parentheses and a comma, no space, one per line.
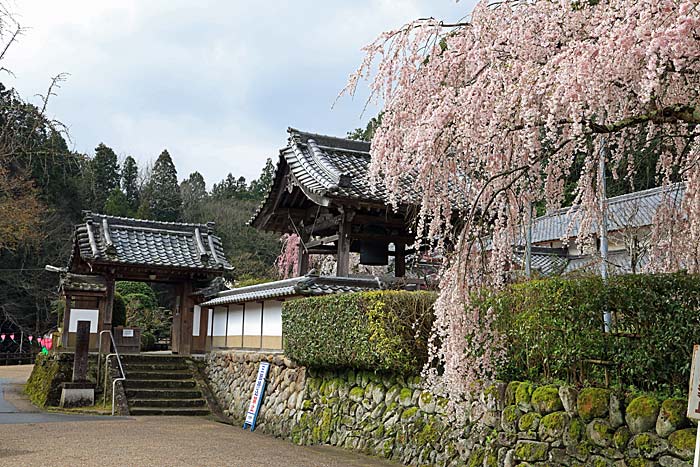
(157,442)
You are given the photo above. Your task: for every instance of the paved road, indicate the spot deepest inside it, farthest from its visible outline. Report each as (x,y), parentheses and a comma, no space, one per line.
(14,406)
(75,441)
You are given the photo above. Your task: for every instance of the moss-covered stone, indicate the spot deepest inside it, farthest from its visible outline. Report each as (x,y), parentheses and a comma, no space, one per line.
(592,403)
(523,396)
(429,434)
(552,426)
(406,397)
(356,394)
(641,414)
(621,437)
(476,459)
(682,443)
(671,416)
(639,462)
(647,445)
(530,451)
(509,418)
(574,432)
(599,432)
(392,394)
(529,422)
(599,461)
(387,448)
(510,392)
(409,413)
(44,384)
(545,399)
(427,402)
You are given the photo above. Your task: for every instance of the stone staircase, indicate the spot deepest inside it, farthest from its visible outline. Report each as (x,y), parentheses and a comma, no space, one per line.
(162,385)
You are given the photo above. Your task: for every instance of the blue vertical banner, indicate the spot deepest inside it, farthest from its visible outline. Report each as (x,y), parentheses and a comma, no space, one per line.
(254,407)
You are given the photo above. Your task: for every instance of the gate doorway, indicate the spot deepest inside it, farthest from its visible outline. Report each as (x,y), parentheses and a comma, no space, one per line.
(107,249)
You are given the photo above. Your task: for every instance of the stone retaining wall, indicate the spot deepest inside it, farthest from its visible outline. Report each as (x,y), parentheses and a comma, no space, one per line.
(508,425)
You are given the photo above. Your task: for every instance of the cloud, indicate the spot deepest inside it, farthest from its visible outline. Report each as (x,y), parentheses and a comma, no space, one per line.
(216,82)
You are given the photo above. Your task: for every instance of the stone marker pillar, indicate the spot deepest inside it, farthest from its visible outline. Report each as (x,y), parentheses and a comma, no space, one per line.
(80,392)
(82,344)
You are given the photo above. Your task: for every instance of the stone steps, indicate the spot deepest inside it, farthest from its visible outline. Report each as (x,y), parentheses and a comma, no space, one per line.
(159,375)
(175,394)
(159,383)
(169,411)
(167,403)
(162,385)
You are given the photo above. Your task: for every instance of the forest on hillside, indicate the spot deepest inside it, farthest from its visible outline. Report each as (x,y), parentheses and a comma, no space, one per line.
(45,186)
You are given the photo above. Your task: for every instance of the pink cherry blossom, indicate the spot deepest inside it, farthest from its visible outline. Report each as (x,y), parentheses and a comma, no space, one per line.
(498,108)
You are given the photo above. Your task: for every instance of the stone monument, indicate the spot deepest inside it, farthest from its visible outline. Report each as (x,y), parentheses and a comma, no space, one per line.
(80,392)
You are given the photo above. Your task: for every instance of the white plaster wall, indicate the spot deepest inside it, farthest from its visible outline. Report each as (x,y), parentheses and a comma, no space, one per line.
(235,320)
(210,321)
(251,324)
(81,314)
(219,321)
(197,318)
(272,318)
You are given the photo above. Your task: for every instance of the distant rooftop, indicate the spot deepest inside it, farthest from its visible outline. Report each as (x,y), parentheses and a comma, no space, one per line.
(631,210)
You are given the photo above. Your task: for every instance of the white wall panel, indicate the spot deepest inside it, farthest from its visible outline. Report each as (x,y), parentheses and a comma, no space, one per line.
(235,320)
(81,314)
(251,322)
(219,321)
(197,318)
(272,318)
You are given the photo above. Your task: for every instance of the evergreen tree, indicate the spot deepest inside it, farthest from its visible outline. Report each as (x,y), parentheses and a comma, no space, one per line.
(366,134)
(130,174)
(259,187)
(225,189)
(105,171)
(194,192)
(165,201)
(117,204)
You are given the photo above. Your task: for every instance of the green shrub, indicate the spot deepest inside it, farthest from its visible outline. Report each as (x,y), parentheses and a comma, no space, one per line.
(129,288)
(554,328)
(137,301)
(379,331)
(118,310)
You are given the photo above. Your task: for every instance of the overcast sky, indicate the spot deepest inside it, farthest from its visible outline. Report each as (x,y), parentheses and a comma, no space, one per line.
(215,82)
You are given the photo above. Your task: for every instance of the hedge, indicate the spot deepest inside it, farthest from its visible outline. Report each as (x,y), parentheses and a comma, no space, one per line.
(554,329)
(118,310)
(377,331)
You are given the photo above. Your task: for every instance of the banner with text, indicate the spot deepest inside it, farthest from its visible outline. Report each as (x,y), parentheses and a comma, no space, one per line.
(255,401)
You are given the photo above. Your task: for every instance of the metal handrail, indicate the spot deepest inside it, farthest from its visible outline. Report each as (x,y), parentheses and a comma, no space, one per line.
(119,361)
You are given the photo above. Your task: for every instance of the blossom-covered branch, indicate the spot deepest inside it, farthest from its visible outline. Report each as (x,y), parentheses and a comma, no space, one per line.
(542,85)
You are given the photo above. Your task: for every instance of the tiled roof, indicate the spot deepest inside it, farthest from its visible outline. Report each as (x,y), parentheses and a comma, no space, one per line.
(308,285)
(326,167)
(83,283)
(546,264)
(121,240)
(626,211)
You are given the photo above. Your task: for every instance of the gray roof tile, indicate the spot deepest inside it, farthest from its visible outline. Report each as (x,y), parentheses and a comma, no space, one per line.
(145,242)
(631,210)
(83,283)
(309,285)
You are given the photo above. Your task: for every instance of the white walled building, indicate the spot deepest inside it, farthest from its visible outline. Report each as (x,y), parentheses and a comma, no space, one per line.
(251,317)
